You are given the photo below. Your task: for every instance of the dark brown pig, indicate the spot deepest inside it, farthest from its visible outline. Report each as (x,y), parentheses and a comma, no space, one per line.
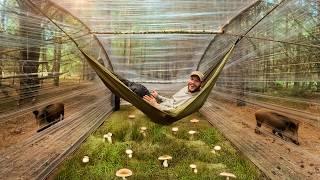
(280,124)
(50,113)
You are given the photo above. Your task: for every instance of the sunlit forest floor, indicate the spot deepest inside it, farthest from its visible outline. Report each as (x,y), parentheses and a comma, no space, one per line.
(106,158)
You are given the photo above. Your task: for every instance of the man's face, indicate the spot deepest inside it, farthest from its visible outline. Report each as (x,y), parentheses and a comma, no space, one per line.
(194,84)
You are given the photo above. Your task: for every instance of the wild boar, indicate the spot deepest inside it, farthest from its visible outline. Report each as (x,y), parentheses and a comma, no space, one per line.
(50,113)
(279,124)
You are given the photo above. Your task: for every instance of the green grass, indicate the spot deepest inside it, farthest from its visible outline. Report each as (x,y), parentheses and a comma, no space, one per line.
(106,158)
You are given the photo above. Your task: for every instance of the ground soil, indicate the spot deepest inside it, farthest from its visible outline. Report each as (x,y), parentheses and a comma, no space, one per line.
(304,156)
(21,123)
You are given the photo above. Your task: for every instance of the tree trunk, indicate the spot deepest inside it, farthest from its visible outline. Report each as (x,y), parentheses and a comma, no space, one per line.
(29,62)
(57,56)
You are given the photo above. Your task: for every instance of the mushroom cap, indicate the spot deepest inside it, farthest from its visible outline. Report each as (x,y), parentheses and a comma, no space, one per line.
(175,129)
(227,174)
(165,157)
(193,166)
(194,120)
(143,128)
(129,151)
(217,148)
(85,159)
(105,135)
(131,116)
(192,132)
(123,172)
(109,134)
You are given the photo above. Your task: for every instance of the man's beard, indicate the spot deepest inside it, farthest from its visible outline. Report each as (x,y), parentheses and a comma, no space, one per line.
(198,89)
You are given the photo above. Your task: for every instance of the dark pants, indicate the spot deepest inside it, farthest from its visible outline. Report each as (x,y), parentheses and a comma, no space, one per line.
(137,88)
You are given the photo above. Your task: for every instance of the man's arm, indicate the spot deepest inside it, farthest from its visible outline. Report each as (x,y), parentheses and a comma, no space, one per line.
(158,97)
(151,100)
(164,106)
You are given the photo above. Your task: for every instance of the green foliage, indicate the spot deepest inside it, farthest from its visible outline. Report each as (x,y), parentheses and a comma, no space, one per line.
(106,158)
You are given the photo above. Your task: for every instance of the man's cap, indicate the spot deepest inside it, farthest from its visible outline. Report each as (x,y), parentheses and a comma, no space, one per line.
(199,74)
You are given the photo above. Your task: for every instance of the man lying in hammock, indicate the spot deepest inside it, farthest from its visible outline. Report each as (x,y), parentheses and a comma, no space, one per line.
(187,92)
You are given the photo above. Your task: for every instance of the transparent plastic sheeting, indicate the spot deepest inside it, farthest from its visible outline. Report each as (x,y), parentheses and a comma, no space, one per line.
(154,15)
(278,62)
(34,55)
(156,57)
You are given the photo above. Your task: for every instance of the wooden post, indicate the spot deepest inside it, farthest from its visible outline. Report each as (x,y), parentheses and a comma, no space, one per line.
(115,102)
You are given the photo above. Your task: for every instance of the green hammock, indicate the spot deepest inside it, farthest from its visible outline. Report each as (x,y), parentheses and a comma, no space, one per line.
(156,115)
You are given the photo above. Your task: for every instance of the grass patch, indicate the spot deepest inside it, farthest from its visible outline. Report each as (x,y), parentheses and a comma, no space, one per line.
(106,159)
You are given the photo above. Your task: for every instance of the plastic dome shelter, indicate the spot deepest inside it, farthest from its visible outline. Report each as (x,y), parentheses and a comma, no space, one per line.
(162,42)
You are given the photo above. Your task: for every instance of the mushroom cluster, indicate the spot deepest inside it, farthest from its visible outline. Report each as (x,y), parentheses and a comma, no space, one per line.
(143,131)
(129,153)
(216,148)
(108,137)
(194,168)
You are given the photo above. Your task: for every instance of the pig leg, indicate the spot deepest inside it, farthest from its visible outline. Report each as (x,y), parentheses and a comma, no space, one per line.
(295,141)
(62,115)
(256,130)
(278,132)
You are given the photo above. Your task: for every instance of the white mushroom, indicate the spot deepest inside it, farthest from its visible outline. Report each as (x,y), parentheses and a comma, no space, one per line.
(143,131)
(108,137)
(194,168)
(129,152)
(194,121)
(85,159)
(217,148)
(175,130)
(227,175)
(191,134)
(131,116)
(165,159)
(124,173)
(105,136)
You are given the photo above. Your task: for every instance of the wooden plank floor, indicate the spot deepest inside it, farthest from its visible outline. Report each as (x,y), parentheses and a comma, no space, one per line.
(37,156)
(270,154)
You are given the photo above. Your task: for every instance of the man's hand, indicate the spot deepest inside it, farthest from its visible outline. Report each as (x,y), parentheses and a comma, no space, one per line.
(154,93)
(151,100)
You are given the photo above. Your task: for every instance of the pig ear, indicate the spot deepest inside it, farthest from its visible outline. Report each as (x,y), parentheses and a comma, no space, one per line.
(36,112)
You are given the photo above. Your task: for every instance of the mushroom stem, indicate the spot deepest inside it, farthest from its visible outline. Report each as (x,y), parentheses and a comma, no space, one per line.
(191,137)
(195,170)
(109,139)
(165,163)
(130,155)
(124,178)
